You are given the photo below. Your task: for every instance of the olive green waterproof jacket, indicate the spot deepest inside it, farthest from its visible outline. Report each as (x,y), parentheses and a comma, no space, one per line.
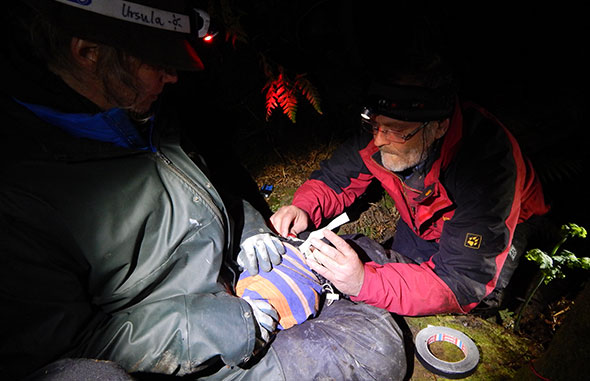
(112,253)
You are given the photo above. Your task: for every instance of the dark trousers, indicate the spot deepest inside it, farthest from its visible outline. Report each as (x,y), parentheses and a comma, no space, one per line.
(347,341)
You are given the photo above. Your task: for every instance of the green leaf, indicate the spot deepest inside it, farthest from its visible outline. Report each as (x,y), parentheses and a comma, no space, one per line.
(540,257)
(572,230)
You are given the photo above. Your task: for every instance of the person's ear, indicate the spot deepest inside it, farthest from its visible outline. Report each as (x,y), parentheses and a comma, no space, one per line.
(84,52)
(441,128)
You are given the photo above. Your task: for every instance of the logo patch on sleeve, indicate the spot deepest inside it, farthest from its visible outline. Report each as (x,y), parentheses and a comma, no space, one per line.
(473,241)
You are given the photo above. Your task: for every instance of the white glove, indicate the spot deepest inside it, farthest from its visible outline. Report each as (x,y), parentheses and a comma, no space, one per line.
(262,250)
(266,317)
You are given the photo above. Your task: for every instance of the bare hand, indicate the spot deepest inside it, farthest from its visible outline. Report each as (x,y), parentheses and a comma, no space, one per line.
(290,220)
(340,264)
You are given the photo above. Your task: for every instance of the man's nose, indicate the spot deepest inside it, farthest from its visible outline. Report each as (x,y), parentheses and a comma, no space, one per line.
(379,138)
(169,76)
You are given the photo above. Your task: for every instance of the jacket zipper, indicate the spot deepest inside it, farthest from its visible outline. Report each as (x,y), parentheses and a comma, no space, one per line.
(206,197)
(411,209)
(203,195)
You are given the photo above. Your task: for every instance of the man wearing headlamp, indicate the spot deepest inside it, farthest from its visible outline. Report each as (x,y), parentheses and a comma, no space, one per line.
(465,193)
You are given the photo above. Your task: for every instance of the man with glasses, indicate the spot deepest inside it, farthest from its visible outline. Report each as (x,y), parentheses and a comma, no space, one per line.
(465,194)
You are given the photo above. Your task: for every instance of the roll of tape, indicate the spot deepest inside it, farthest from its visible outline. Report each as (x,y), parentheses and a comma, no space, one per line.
(454,370)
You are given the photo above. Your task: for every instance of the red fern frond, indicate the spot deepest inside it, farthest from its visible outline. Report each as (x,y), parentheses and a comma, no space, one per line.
(271,99)
(309,91)
(287,97)
(281,93)
(290,108)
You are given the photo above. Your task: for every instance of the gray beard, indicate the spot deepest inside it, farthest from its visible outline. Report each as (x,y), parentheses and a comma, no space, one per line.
(395,164)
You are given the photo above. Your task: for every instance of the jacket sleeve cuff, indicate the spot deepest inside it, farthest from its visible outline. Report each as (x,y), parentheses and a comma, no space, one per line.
(365,293)
(214,323)
(407,289)
(254,222)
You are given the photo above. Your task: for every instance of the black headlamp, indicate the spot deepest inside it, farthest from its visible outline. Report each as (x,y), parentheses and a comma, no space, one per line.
(408,103)
(204,28)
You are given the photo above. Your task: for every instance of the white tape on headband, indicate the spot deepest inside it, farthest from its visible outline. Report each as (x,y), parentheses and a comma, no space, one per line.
(135,13)
(453,370)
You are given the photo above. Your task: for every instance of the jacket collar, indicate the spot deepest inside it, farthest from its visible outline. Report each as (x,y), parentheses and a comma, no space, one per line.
(113,126)
(450,145)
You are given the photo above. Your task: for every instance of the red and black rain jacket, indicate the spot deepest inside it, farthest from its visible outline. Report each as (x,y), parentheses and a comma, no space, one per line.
(468,205)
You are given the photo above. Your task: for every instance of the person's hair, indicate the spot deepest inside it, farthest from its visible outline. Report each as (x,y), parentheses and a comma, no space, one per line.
(114,67)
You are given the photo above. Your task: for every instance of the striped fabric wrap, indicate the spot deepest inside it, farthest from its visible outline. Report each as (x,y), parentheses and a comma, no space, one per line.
(290,287)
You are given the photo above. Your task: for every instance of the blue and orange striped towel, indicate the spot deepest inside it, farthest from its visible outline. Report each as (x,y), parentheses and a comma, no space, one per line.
(290,287)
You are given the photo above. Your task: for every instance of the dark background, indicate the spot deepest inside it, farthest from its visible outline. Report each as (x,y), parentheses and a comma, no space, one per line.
(527,63)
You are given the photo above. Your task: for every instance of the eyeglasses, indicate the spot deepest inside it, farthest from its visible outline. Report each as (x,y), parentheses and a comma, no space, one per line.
(393,136)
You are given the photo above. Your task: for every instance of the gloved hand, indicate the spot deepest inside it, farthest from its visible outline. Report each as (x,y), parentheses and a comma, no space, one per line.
(265,316)
(260,250)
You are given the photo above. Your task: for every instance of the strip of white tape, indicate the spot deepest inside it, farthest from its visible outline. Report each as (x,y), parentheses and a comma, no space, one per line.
(135,13)
(453,370)
(319,234)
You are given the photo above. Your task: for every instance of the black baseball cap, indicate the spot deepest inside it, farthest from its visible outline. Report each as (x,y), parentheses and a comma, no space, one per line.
(410,103)
(161,32)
